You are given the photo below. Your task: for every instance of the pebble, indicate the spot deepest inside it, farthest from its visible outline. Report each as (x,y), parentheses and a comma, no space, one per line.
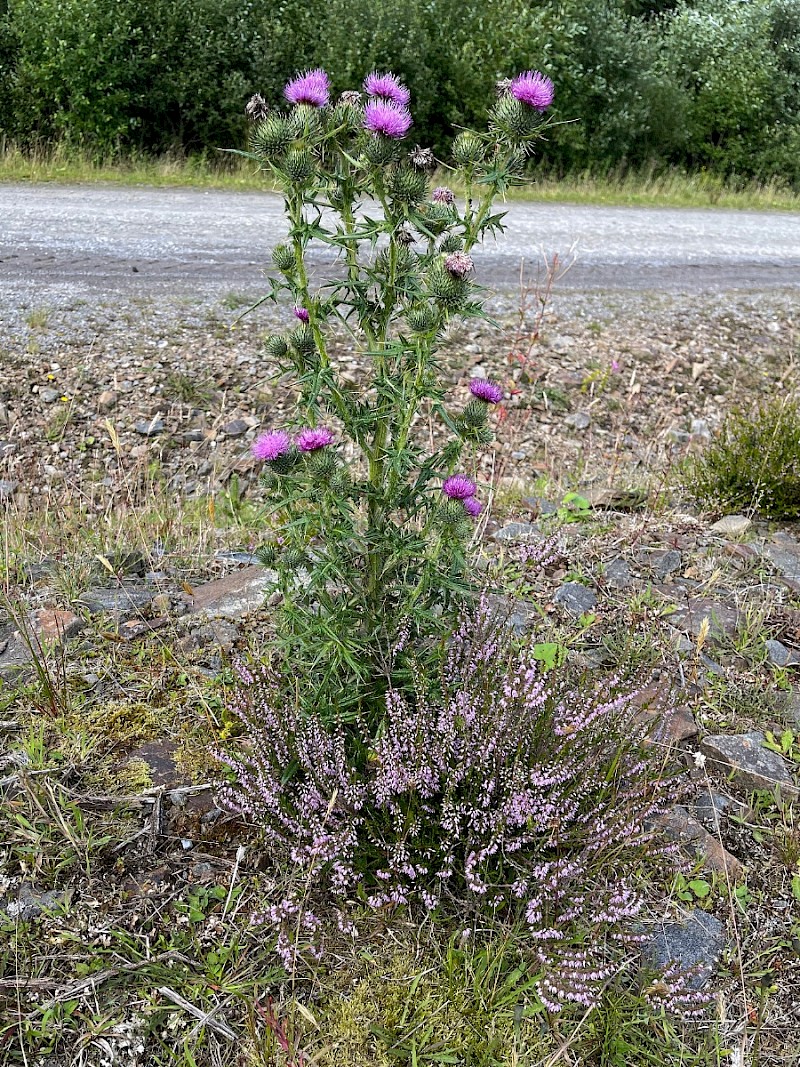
(575,598)
(235,428)
(150,427)
(107,400)
(779,655)
(732,525)
(517,531)
(579,420)
(617,574)
(49,396)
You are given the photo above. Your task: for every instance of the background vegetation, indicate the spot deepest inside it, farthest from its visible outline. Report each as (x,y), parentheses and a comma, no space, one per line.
(708,85)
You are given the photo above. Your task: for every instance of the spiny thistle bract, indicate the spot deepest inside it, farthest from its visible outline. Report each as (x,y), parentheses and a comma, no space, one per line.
(363,509)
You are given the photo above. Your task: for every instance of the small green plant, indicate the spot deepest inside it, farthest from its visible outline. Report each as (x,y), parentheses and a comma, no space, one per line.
(754,463)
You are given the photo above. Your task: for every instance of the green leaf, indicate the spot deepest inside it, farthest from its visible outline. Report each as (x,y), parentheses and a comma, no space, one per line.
(700,887)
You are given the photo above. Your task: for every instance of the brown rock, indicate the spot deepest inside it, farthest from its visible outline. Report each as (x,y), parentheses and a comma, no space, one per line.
(680,826)
(52,625)
(107,400)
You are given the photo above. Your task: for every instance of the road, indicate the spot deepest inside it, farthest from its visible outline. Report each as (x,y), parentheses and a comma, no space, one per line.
(83,240)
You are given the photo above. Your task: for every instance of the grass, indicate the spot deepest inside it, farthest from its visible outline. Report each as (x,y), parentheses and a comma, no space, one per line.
(642,188)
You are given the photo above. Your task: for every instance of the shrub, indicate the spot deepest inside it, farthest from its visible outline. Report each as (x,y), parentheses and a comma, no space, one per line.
(499,788)
(754,463)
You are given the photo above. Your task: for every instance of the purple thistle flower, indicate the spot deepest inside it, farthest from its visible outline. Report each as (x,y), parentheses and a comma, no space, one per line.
(302,314)
(382,116)
(486,390)
(313,88)
(388,86)
(311,440)
(270,446)
(459,264)
(534,89)
(458,487)
(443,195)
(473,506)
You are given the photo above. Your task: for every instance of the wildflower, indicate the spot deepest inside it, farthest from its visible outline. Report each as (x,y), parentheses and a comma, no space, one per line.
(313,88)
(534,89)
(382,116)
(388,87)
(473,506)
(443,195)
(422,158)
(256,108)
(270,446)
(311,440)
(302,314)
(486,390)
(615,366)
(459,487)
(459,264)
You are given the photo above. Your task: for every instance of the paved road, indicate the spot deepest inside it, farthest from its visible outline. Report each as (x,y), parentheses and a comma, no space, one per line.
(88,239)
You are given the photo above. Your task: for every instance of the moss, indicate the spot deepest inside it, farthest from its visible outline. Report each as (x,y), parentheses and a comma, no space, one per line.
(754,463)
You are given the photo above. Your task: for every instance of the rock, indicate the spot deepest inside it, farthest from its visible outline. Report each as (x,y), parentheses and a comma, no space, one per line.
(235,428)
(160,759)
(107,400)
(519,616)
(539,506)
(518,531)
(781,656)
(710,808)
(699,428)
(162,604)
(236,595)
(52,626)
(783,553)
(134,628)
(578,420)
(732,525)
(150,427)
(49,396)
(617,574)
(680,437)
(575,598)
(237,557)
(752,766)
(7,448)
(666,563)
(47,628)
(32,902)
(696,942)
(560,343)
(7,489)
(723,618)
(125,600)
(693,838)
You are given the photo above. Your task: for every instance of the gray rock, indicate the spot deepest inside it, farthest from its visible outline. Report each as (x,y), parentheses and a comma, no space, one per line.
(236,595)
(723,618)
(150,427)
(579,420)
(237,557)
(752,766)
(122,601)
(667,563)
(697,942)
(7,489)
(617,574)
(732,525)
(32,902)
(699,428)
(784,555)
(235,428)
(539,505)
(575,598)
(711,808)
(107,400)
(49,396)
(518,531)
(781,656)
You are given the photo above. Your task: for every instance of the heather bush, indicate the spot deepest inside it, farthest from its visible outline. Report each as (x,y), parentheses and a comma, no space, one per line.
(371,525)
(495,788)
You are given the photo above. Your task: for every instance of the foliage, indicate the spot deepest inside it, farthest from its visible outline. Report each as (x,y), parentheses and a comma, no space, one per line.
(754,463)
(691,83)
(514,791)
(371,525)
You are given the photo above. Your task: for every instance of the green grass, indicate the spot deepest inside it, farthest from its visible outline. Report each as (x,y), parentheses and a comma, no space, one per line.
(644,188)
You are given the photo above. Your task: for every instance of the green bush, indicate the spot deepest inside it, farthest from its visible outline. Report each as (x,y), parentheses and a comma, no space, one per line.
(754,463)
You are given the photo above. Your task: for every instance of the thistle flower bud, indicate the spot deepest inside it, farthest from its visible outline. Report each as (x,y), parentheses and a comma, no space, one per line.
(514,119)
(408,186)
(266,555)
(283,258)
(404,261)
(474,414)
(380,151)
(302,340)
(256,108)
(271,137)
(451,243)
(422,319)
(438,217)
(467,149)
(276,346)
(293,559)
(449,289)
(298,163)
(422,158)
(285,464)
(307,120)
(322,463)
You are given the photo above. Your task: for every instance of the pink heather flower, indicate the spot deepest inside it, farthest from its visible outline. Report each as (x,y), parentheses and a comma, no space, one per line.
(443,195)
(486,390)
(459,264)
(311,440)
(388,86)
(302,314)
(473,506)
(382,116)
(534,89)
(458,487)
(270,446)
(313,88)
(615,366)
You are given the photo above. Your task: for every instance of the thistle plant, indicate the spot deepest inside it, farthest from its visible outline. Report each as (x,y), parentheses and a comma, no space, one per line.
(371,525)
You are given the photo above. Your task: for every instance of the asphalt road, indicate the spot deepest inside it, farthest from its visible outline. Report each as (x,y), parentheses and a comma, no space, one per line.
(83,240)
